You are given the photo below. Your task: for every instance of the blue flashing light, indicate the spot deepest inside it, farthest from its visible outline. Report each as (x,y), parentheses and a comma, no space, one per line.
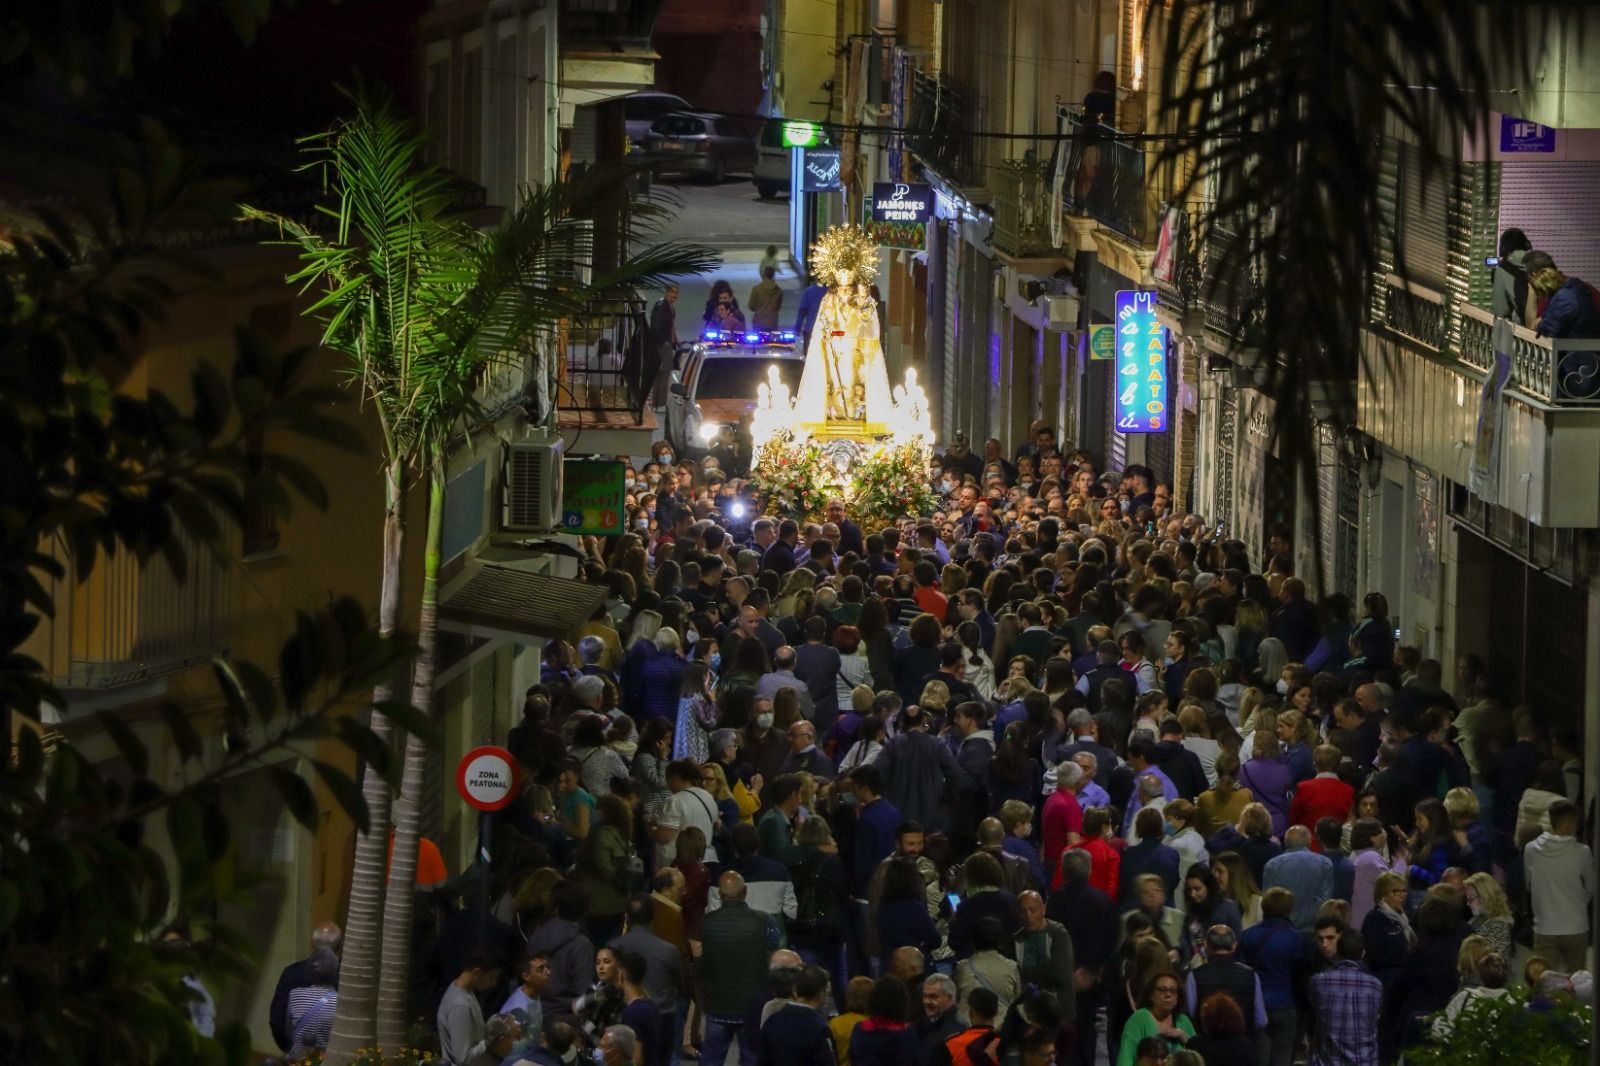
(787,335)
(712,335)
(752,338)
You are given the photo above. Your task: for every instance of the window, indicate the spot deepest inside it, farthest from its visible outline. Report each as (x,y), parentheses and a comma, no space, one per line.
(680,126)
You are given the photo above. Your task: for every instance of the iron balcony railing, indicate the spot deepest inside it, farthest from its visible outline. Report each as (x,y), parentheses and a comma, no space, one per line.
(1558,372)
(1210,280)
(608,20)
(605,363)
(1023,205)
(1109,177)
(944,118)
(126,623)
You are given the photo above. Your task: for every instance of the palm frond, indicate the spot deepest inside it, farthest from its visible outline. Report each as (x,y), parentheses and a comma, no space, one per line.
(1282,106)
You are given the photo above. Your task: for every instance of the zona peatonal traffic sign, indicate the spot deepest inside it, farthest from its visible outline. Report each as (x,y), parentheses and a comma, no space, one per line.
(487,778)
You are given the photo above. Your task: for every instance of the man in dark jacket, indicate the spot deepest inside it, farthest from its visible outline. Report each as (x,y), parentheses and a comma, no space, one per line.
(939,1020)
(1221,972)
(974,751)
(917,772)
(325,937)
(816,663)
(1295,623)
(1090,919)
(1180,764)
(1395,787)
(734,961)
(797,1034)
(1107,652)
(779,557)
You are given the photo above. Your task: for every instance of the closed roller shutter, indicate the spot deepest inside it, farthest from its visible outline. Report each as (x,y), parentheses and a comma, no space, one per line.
(1420,213)
(1327,506)
(1116,443)
(1558,206)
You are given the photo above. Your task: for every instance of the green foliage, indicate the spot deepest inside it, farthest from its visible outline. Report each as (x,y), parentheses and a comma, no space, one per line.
(891,483)
(1508,1031)
(99,855)
(418,300)
(86,900)
(794,478)
(1277,110)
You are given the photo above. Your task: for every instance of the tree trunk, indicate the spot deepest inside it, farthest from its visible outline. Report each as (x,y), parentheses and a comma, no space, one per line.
(394,982)
(355,1017)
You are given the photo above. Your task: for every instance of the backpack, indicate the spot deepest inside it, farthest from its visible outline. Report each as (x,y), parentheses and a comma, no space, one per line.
(816,906)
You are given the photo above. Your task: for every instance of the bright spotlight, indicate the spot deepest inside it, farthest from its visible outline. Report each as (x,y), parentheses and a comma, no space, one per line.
(708,432)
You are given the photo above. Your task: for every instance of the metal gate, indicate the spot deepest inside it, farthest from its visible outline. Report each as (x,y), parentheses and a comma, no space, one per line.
(1540,659)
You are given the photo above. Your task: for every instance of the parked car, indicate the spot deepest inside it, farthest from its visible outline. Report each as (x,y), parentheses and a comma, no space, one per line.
(772,160)
(690,142)
(640,110)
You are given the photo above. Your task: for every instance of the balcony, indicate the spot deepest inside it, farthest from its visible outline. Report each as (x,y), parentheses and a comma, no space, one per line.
(944,117)
(1108,178)
(618,21)
(1556,373)
(1420,393)
(126,623)
(1211,289)
(1022,209)
(603,369)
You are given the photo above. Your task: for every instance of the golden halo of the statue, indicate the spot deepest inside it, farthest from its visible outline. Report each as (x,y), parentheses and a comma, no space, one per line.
(845,249)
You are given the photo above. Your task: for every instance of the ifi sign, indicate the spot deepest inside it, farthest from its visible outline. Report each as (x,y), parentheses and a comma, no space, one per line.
(901,202)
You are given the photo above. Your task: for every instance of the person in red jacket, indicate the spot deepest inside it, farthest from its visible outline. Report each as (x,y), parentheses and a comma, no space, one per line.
(1106,859)
(1323,796)
(1061,819)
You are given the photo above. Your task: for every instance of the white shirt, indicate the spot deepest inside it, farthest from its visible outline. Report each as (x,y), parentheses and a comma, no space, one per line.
(691,807)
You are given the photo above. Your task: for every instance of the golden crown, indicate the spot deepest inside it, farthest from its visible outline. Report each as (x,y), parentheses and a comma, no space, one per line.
(845,249)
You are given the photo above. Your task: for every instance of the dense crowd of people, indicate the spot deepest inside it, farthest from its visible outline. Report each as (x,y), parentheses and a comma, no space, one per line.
(1051,769)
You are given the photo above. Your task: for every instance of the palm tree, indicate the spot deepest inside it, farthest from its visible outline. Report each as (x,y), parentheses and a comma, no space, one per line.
(1280,108)
(421,304)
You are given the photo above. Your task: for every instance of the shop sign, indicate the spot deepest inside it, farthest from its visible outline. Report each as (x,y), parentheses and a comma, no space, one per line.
(910,236)
(819,170)
(1141,405)
(801,134)
(592,497)
(1102,342)
(1521,136)
(899,201)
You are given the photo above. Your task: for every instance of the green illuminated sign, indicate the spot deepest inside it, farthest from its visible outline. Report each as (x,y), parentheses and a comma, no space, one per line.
(801,134)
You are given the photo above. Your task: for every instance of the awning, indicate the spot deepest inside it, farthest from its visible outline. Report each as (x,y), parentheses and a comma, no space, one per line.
(508,602)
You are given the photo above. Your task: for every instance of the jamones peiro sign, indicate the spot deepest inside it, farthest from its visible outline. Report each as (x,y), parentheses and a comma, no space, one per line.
(487,778)
(899,202)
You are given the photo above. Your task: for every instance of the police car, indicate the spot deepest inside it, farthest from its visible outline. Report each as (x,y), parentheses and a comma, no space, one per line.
(716,380)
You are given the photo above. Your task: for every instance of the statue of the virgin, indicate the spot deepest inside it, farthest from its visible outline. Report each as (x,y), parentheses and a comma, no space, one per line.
(845,378)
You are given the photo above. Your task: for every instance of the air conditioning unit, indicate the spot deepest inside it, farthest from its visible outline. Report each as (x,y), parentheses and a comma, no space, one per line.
(1061,312)
(531,487)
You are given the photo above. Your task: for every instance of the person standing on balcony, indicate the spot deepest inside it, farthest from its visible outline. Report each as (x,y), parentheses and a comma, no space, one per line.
(1571,308)
(663,340)
(1510,297)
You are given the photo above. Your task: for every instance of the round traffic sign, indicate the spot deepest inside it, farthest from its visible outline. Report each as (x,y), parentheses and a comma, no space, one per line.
(487,778)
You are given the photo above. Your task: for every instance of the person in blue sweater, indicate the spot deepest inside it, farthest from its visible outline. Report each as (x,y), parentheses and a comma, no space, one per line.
(876,822)
(797,1034)
(1275,950)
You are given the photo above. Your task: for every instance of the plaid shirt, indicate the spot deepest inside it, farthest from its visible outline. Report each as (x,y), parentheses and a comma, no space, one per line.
(1346,1000)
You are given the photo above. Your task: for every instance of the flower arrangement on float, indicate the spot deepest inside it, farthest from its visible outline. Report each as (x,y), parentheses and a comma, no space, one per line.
(800,462)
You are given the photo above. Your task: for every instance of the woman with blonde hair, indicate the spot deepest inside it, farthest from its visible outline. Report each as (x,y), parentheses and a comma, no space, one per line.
(801,579)
(935,697)
(1260,844)
(1491,912)
(1298,735)
(1468,956)
(1235,881)
(1225,800)
(1197,738)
